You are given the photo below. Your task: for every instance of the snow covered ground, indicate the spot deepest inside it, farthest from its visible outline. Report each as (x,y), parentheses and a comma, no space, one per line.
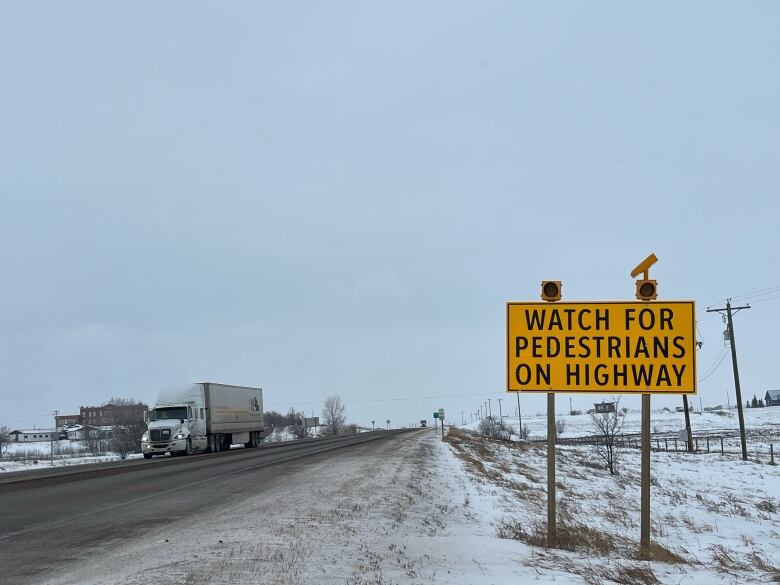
(716,519)
(468,511)
(660,421)
(762,426)
(26,456)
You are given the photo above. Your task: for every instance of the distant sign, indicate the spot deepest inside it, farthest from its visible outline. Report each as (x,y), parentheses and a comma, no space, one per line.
(313,421)
(620,347)
(435,415)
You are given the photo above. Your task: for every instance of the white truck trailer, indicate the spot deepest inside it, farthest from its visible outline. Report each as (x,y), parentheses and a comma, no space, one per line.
(204,417)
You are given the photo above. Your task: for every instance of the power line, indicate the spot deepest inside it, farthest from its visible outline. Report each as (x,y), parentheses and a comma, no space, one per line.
(768,290)
(765,300)
(400,398)
(714,367)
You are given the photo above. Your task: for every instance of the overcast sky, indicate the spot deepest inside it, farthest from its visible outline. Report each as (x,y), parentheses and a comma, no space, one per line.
(340,197)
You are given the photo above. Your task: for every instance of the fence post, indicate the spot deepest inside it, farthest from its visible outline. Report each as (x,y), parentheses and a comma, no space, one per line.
(721,445)
(666,444)
(708,444)
(675,443)
(771,454)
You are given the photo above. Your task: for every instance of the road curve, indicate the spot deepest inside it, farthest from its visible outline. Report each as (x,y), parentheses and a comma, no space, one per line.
(50,518)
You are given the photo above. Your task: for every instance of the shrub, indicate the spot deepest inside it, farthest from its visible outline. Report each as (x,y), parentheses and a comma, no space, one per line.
(495,429)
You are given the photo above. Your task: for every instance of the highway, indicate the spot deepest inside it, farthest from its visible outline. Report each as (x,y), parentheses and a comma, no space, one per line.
(51,518)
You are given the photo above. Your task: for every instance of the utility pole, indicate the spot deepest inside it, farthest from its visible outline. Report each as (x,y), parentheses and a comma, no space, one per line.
(500,416)
(571,408)
(519,420)
(730,311)
(490,408)
(51,444)
(688,433)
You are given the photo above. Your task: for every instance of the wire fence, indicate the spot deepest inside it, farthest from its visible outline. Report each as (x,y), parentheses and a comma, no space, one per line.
(761,445)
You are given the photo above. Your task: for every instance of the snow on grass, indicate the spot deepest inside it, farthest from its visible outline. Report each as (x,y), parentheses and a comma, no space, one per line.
(766,419)
(714,519)
(762,426)
(37,455)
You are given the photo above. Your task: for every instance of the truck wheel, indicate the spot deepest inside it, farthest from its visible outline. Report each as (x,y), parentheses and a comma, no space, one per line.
(188,448)
(252,441)
(147,455)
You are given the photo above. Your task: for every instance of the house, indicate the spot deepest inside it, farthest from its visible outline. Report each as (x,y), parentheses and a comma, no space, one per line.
(604,407)
(32,435)
(82,432)
(772,398)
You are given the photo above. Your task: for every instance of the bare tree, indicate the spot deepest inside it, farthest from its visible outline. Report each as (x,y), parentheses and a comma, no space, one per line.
(128,427)
(5,440)
(333,414)
(95,441)
(297,428)
(608,426)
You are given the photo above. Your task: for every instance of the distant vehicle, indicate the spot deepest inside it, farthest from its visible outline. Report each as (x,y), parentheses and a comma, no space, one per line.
(423,423)
(204,417)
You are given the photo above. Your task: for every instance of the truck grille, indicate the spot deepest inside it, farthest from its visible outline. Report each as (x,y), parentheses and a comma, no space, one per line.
(160,434)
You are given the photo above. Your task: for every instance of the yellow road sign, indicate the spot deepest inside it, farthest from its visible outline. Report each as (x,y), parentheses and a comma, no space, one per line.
(607,347)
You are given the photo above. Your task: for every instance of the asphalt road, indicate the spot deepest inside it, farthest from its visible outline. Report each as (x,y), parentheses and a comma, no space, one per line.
(50,519)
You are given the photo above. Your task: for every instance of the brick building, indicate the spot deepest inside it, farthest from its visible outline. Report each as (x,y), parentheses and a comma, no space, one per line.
(64,420)
(111,414)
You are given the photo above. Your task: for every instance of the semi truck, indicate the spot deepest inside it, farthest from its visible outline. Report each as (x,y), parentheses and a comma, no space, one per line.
(204,417)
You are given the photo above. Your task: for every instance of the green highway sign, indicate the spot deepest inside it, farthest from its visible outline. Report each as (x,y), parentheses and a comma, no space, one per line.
(435,415)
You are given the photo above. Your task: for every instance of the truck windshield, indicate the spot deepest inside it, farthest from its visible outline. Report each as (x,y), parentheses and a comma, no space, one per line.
(172,413)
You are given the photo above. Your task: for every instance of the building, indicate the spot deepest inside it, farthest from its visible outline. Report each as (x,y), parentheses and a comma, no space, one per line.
(109,415)
(32,435)
(601,407)
(83,432)
(64,420)
(772,398)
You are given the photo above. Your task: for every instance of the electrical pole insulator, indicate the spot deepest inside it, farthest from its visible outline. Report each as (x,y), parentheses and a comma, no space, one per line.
(551,290)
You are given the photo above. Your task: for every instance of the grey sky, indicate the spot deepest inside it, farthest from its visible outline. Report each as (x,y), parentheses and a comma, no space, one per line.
(340,197)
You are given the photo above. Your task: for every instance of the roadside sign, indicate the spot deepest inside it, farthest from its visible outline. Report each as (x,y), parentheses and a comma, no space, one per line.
(441,413)
(606,347)
(435,415)
(313,421)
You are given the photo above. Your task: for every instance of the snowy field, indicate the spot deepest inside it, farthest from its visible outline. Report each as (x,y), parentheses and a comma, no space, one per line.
(714,519)
(762,427)
(26,456)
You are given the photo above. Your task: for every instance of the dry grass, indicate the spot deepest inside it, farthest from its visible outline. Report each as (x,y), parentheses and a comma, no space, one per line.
(725,560)
(571,537)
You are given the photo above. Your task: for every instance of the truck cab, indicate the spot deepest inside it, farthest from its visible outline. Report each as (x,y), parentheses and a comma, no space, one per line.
(177,425)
